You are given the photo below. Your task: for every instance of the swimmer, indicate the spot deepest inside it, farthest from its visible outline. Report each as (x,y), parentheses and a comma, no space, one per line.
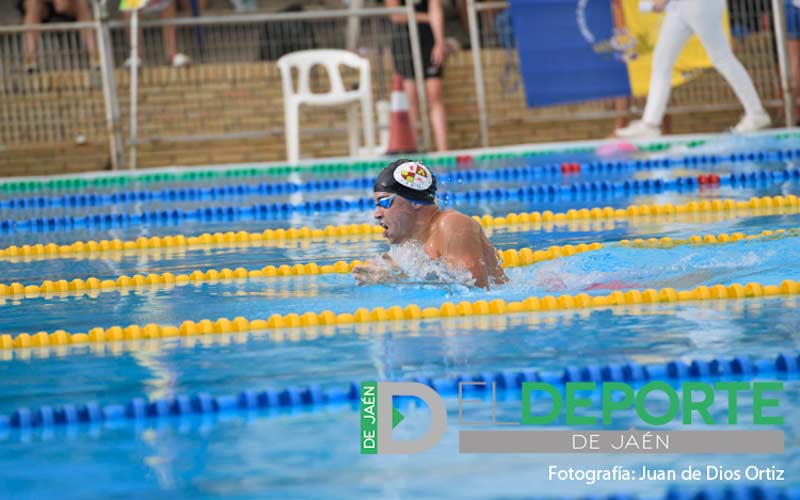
(405,206)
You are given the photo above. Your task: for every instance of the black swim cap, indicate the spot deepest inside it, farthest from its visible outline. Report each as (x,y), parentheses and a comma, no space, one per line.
(408,178)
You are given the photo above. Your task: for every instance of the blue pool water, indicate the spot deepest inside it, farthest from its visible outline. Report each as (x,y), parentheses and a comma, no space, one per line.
(312,451)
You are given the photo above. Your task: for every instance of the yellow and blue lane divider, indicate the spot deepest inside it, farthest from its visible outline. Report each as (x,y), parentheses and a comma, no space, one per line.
(267,211)
(510,173)
(762,206)
(509,258)
(481,307)
(785,364)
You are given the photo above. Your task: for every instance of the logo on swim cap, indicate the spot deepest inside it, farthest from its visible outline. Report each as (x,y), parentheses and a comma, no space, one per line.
(414,175)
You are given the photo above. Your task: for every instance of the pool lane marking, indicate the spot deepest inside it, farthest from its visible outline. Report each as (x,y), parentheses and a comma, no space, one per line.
(396,313)
(267,211)
(509,258)
(494,323)
(92,286)
(445,162)
(784,366)
(761,206)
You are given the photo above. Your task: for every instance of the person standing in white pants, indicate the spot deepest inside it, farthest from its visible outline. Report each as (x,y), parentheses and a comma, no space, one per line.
(703,17)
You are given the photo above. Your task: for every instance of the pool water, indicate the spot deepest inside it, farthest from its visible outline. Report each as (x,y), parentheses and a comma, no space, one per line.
(311,450)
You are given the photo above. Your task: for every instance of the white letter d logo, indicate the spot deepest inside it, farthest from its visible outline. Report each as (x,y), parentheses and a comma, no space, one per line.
(386,445)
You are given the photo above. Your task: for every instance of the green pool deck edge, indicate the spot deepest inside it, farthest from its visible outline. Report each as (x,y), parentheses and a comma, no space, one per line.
(333,165)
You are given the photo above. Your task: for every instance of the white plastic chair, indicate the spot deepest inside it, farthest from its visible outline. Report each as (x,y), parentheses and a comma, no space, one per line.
(330,59)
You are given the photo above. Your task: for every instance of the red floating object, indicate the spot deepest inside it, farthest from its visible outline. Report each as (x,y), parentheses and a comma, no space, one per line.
(464,160)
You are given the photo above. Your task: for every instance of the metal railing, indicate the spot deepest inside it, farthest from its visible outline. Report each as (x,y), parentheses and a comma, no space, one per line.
(232,90)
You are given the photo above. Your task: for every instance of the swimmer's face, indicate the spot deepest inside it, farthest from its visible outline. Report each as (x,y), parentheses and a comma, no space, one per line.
(397,220)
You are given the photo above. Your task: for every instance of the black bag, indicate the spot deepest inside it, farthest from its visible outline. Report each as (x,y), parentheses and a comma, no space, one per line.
(278,38)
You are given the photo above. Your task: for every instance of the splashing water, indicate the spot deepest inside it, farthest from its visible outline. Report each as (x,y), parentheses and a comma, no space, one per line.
(418,267)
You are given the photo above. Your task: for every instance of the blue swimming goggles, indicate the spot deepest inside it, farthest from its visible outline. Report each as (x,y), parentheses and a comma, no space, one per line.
(386,201)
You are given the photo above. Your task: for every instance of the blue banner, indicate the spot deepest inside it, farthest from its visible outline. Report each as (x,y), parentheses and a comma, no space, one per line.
(566,52)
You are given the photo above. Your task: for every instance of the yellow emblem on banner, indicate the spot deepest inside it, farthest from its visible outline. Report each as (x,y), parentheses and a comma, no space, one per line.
(644,27)
(132,4)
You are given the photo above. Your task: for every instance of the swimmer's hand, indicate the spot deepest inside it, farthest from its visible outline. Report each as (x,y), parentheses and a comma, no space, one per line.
(384,271)
(370,274)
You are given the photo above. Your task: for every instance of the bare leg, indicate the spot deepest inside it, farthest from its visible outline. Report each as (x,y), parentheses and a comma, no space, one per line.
(170,38)
(79,9)
(410,87)
(186,5)
(433,90)
(794,70)
(621,105)
(34,13)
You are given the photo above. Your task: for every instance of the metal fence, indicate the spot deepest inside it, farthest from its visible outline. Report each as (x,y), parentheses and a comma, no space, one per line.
(71,92)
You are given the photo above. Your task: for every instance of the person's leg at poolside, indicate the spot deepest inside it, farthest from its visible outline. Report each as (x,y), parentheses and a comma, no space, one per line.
(433,91)
(793,49)
(186,5)
(169,32)
(80,10)
(410,87)
(673,36)
(705,18)
(34,14)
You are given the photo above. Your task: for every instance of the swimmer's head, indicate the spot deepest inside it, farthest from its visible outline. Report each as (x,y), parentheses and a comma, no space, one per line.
(405,196)
(410,179)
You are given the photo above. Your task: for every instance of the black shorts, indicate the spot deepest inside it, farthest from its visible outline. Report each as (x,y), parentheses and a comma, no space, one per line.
(401,51)
(50,14)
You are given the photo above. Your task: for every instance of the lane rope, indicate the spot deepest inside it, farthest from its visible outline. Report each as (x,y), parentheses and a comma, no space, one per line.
(138,408)
(763,206)
(509,258)
(507,173)
(267,211)
(481,307)
(213,174)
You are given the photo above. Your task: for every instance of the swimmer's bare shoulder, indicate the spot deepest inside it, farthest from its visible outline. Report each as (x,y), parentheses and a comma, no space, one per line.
(460,238)
(452,225)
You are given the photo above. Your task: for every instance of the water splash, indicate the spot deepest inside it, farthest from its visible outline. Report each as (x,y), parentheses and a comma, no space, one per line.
(416,266)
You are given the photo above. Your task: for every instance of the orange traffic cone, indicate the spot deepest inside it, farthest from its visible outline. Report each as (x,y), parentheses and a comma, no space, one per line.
(401,134)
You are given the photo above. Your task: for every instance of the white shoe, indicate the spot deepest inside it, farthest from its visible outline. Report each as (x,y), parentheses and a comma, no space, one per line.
(751,123)
(180,60)
(638,129)
(129,62)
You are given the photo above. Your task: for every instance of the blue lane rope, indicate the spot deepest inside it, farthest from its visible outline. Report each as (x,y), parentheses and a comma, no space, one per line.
(314,395)
(280,210)
(530,171)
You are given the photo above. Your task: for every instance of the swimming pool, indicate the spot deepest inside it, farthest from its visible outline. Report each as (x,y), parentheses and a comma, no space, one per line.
(170,334)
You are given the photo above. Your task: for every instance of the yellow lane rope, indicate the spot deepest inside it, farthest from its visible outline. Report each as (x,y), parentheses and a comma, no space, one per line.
(495,324)
(667,242)
(765,205)
(396,313)
(510,258)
